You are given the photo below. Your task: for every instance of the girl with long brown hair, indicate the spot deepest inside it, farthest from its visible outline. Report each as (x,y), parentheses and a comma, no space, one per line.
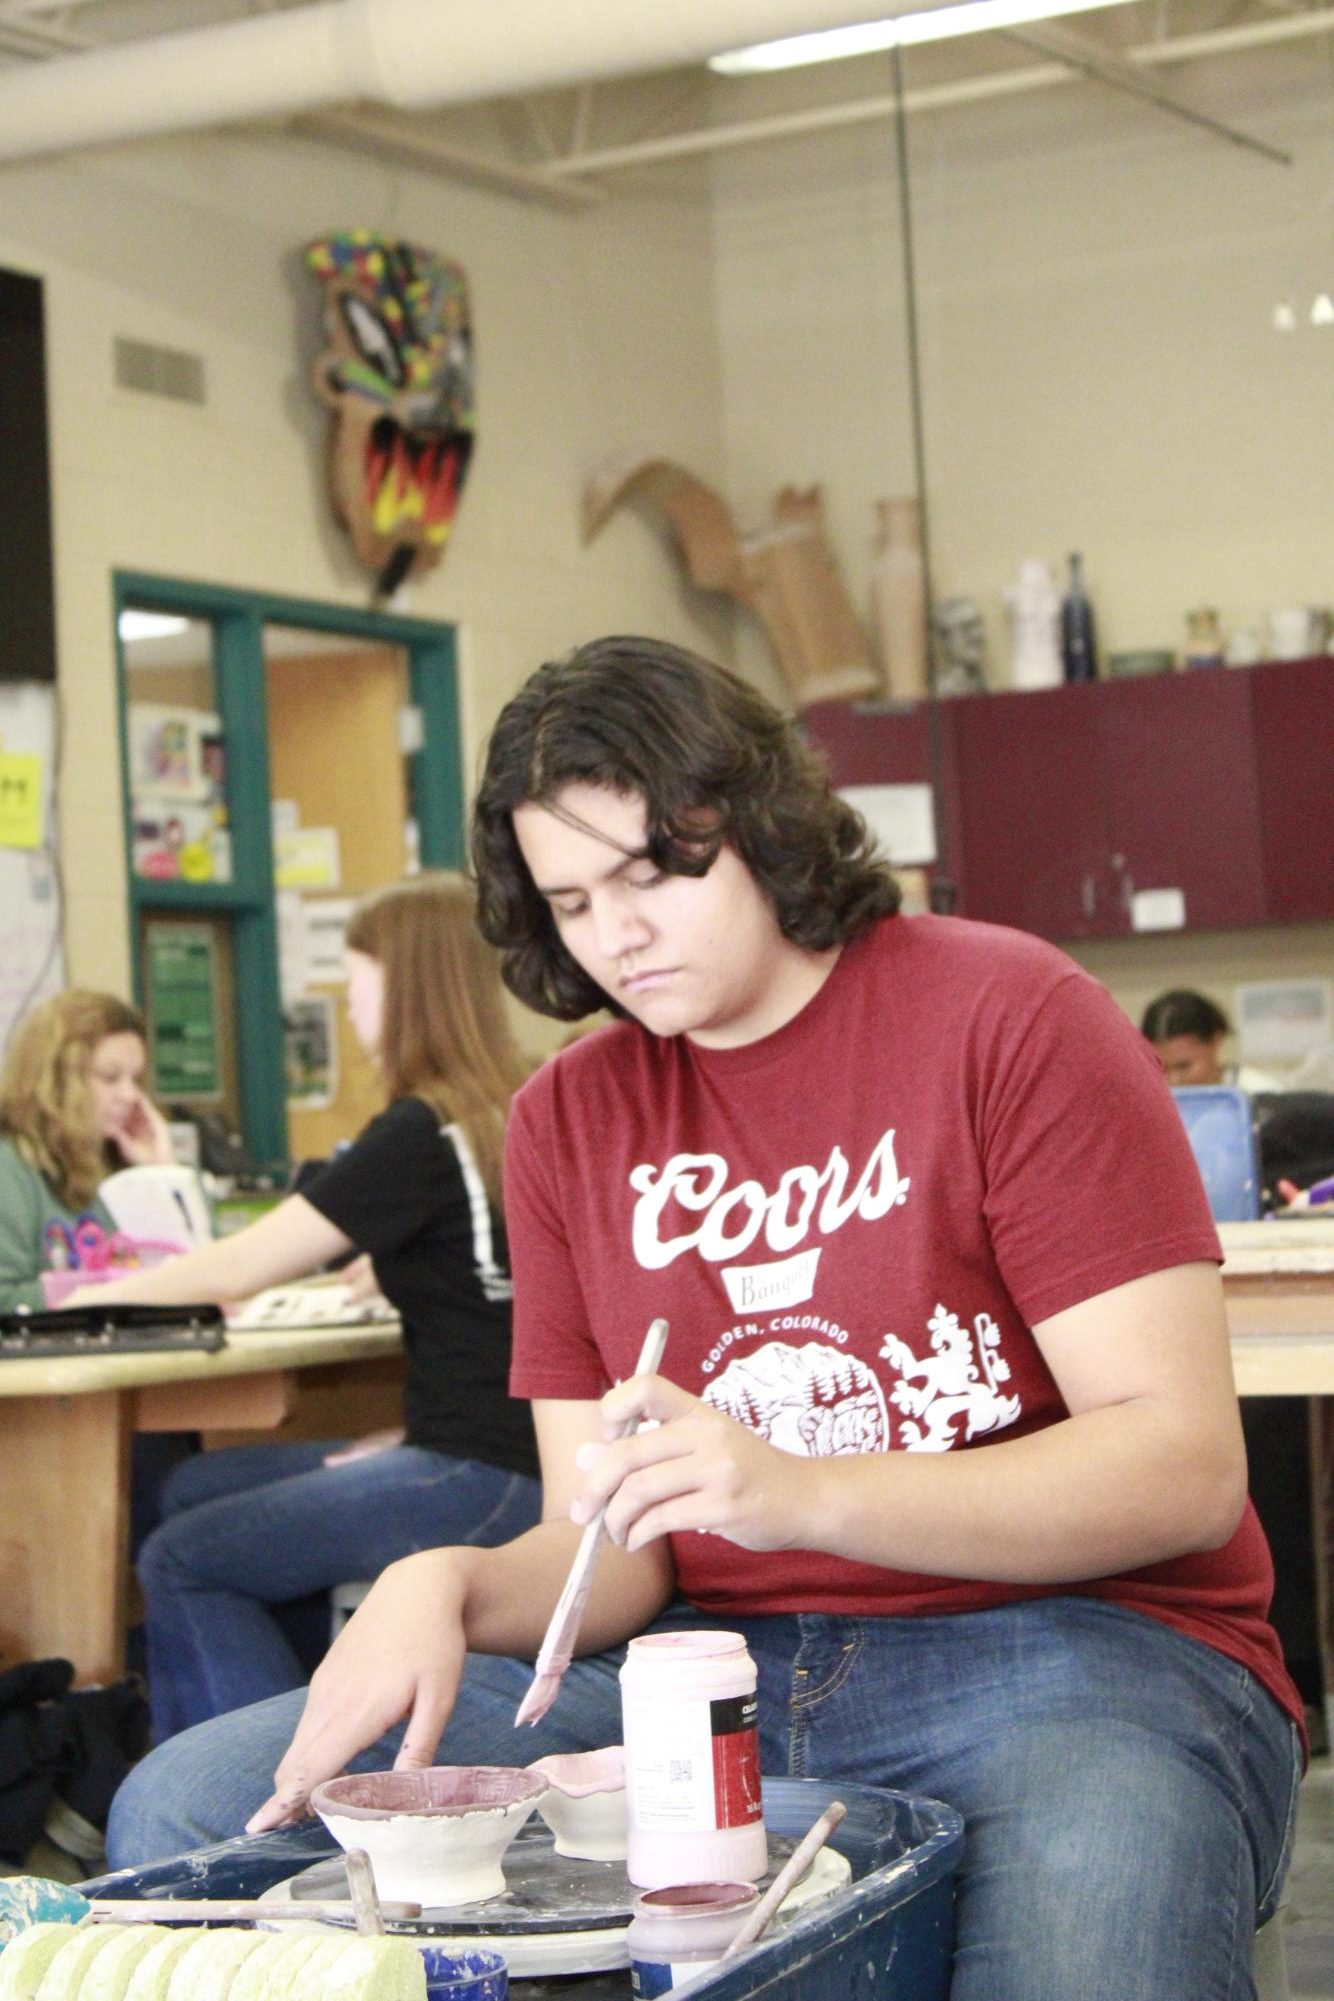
(258,1527)
(73,1109)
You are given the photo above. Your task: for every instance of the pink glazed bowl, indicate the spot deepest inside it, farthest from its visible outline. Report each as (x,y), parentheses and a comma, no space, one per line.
(435,1836)
(585,1808)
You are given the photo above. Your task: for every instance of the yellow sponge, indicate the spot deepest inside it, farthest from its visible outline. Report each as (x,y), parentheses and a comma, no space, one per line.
(375,1969)
(205,1971)
(65,1975)
(108,1975)
(268,1972)
(26,1958)
(151,1976)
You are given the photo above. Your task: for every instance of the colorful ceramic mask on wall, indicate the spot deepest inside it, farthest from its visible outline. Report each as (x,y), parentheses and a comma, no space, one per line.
(398,374)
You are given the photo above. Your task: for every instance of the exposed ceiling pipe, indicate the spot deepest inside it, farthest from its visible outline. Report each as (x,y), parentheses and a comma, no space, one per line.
(938,97)
(408,53)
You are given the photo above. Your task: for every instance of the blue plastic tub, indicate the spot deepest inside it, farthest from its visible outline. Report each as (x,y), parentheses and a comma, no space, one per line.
(1220,1126)
(894,1922)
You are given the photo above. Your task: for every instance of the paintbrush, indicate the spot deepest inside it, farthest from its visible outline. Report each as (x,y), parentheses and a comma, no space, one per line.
(791,1872)
(557,1647)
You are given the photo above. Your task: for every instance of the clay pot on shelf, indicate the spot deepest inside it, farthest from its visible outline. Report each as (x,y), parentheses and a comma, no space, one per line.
(898,599)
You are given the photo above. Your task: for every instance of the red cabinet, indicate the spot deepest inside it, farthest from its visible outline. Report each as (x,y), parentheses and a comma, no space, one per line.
(1061,807)
(1292,710)
(1183,812)
(1033,839)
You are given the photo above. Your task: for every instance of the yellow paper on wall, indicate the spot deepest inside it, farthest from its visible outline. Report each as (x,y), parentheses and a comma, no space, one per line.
(20,799)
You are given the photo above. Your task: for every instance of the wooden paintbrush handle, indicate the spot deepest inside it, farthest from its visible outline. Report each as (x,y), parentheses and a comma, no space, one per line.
(227,1910)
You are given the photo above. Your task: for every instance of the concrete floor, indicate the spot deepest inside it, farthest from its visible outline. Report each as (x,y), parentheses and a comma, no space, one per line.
(1310,1909)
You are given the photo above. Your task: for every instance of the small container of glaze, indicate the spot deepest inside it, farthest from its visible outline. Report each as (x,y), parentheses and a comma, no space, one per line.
(692,1761)
(678,1933)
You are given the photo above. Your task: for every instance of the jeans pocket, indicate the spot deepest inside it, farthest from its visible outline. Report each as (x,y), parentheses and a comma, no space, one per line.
(1273,1889)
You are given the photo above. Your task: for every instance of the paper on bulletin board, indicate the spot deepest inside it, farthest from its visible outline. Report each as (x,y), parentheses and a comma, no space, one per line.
(310,1052)
(289,908)
(324,922)
(20,799)
(182,982)
(31,961)
(901,817)
(1281,1021)
(307,858)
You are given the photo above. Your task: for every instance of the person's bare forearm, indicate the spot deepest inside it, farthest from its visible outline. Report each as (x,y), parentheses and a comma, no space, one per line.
(509,1594)
(1108,1491)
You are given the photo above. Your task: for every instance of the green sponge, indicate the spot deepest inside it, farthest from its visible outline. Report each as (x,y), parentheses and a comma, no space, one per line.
(269,1970)
(108,1975)
(65,1975)
(375,1969)
(26,1958)
(151,1975)
(205,1971)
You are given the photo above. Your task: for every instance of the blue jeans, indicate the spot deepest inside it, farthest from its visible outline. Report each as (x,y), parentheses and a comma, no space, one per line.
(260,1526)
(1128,1795)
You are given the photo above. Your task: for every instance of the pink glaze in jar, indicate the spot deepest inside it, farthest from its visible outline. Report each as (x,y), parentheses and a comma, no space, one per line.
(692,1760)
(678,1933)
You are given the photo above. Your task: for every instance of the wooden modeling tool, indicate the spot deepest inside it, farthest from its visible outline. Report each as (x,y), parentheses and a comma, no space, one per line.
(32,1900)
(791,1872)
(557,1649)
(361,1886)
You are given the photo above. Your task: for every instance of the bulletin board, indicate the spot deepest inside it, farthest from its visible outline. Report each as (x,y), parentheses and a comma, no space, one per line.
(32,964)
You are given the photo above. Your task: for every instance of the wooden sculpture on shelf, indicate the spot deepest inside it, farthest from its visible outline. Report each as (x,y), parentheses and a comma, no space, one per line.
(397,372)
(785,574)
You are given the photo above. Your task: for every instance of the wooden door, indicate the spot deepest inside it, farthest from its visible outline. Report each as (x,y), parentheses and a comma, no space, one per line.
(1182,793)
(334,754)
(1032,811)
(1292,710)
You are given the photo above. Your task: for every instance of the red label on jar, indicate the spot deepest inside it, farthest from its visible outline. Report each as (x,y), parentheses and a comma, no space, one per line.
(734,1725)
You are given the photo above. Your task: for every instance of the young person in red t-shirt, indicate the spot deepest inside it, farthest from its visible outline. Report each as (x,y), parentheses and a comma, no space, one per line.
(946,1422)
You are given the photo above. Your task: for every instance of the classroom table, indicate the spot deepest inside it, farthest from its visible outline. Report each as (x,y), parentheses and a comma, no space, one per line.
(1278,1282)
(66,1426)
(65,1430)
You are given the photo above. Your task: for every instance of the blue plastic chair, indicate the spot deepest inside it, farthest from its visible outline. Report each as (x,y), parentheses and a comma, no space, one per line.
(1221,1129)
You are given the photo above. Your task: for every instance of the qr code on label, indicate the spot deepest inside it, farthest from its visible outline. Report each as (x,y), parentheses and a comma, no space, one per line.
(680,1771)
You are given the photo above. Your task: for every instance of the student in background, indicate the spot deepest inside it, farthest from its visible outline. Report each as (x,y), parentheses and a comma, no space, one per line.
(1188,1031)
(73,1109)
(256,1527)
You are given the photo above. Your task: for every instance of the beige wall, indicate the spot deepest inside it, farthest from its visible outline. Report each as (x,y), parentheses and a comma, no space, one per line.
(594,332)
(1134,970)
(1099,370)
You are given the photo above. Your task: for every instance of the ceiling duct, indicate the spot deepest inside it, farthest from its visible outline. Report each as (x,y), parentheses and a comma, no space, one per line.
(412,54)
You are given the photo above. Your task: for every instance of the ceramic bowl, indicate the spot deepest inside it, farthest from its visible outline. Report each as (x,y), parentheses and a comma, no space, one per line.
(434,1836)
(585,1808)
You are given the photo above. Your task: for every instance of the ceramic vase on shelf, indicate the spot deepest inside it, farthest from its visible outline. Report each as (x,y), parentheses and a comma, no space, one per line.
(898,599)
(1079,653)
(1034,607)
(1204,638)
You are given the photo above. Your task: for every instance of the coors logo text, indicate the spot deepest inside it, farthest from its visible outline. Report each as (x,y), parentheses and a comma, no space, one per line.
(732,1218)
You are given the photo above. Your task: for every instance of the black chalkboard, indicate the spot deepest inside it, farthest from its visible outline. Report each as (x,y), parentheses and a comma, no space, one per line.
(27,582)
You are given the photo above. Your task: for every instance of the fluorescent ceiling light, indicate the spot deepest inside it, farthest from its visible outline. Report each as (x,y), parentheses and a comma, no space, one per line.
(132,625)
(935,24)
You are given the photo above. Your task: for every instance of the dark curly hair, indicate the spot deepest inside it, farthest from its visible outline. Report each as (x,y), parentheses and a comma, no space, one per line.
(714,763)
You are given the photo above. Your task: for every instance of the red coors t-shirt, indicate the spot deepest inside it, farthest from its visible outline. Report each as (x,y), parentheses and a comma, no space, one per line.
(852,1224)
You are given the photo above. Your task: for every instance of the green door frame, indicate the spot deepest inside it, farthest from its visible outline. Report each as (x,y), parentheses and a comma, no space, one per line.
(238,619)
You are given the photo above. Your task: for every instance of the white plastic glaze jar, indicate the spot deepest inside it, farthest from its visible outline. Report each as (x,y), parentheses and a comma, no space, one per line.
(680,1932)
(692,1761)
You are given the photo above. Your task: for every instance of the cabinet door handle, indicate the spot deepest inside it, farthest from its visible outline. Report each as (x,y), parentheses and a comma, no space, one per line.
(1089,895)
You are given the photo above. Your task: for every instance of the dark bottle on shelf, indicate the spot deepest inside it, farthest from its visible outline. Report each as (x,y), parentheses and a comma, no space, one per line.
(1079,655)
